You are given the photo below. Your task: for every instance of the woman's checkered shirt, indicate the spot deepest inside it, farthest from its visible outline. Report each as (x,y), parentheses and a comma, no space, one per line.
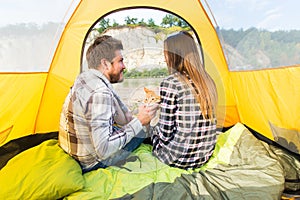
(182,138)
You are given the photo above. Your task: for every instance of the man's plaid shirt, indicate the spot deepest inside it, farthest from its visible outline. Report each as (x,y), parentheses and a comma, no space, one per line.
(91,119)
(182,138)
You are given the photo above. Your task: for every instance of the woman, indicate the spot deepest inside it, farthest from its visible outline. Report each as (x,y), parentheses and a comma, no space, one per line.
(186,133)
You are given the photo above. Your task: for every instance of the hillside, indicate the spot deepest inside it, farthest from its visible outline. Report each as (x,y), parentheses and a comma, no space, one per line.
(254,49)
(244,50)
(143,48)
(28,47)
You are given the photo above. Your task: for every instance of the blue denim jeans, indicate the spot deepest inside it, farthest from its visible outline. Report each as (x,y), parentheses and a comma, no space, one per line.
(122,154)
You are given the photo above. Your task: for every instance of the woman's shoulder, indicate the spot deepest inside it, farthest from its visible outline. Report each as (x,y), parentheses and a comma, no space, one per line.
(171,78)
(171,83)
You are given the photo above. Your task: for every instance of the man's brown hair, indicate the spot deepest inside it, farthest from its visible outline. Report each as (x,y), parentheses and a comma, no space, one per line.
(103,47)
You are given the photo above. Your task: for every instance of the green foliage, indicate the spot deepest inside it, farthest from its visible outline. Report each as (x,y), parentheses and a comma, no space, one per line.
(151,23)
(103,24)
(170,23)
(153,73)
(115,24)
(264,48)
(255,47)
(131,21)
(171,20)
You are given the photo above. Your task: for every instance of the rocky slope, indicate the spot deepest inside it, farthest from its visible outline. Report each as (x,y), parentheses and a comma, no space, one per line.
(143,48)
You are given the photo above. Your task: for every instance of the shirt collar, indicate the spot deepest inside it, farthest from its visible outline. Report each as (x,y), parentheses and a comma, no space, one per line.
(101,75)
(106,81)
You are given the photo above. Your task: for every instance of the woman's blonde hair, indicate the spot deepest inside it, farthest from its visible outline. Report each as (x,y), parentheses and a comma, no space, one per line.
(182,56)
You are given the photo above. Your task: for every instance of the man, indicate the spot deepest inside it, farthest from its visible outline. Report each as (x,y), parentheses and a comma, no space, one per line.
(96,128)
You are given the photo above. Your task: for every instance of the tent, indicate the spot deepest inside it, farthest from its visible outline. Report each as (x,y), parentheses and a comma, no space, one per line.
(266,101)
(255,98)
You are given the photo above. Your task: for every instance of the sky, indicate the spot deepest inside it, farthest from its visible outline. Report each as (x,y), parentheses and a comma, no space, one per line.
(265,14)
(236,14)
(32,11)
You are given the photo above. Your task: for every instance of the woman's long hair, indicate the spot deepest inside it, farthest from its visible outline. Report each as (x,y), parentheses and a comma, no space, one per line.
(182,56)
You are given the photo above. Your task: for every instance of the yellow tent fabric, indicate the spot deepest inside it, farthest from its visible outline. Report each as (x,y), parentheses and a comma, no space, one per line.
(80,23)
(21,94)
(268,96)
(31,102)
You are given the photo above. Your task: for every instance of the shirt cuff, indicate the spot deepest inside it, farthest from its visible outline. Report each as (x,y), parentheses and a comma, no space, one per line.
(136,125)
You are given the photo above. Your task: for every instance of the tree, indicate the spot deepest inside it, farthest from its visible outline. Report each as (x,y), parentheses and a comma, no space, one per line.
(155,72)
(115,24)
(103,24)
(168,21)
(180,22)
(171,20)
(129,20)
(151,23)
(142,23)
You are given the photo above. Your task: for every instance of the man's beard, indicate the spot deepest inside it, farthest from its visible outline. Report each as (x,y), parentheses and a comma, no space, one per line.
(116,78)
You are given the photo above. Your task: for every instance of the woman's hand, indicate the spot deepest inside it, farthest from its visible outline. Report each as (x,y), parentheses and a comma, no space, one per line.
(146,113)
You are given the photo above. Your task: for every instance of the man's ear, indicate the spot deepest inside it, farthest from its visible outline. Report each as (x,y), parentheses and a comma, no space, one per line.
(104,63)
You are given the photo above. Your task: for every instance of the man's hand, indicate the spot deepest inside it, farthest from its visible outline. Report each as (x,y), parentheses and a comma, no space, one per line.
(146,113)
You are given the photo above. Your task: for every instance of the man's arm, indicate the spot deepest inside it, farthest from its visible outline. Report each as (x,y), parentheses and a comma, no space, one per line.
(106,139)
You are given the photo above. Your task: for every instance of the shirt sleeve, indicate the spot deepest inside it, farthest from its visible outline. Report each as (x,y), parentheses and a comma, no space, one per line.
(183,138)
(167,121)
(168,139)
(107,138)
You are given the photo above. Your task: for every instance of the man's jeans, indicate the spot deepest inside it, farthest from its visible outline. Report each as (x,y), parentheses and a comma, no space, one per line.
(121,154)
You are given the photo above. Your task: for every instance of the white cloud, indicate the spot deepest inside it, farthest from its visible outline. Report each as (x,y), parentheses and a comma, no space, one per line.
(33,11)
(139,13)
(228,13)
(260,5)
(270,22)
(266,14)
(273,11)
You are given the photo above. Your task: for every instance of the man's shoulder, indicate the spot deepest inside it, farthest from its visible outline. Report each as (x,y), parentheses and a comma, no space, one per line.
(86,85)
(85,75)
(89,80)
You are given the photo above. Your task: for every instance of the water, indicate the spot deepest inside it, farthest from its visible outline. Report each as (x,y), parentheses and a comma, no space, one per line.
(132,90)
